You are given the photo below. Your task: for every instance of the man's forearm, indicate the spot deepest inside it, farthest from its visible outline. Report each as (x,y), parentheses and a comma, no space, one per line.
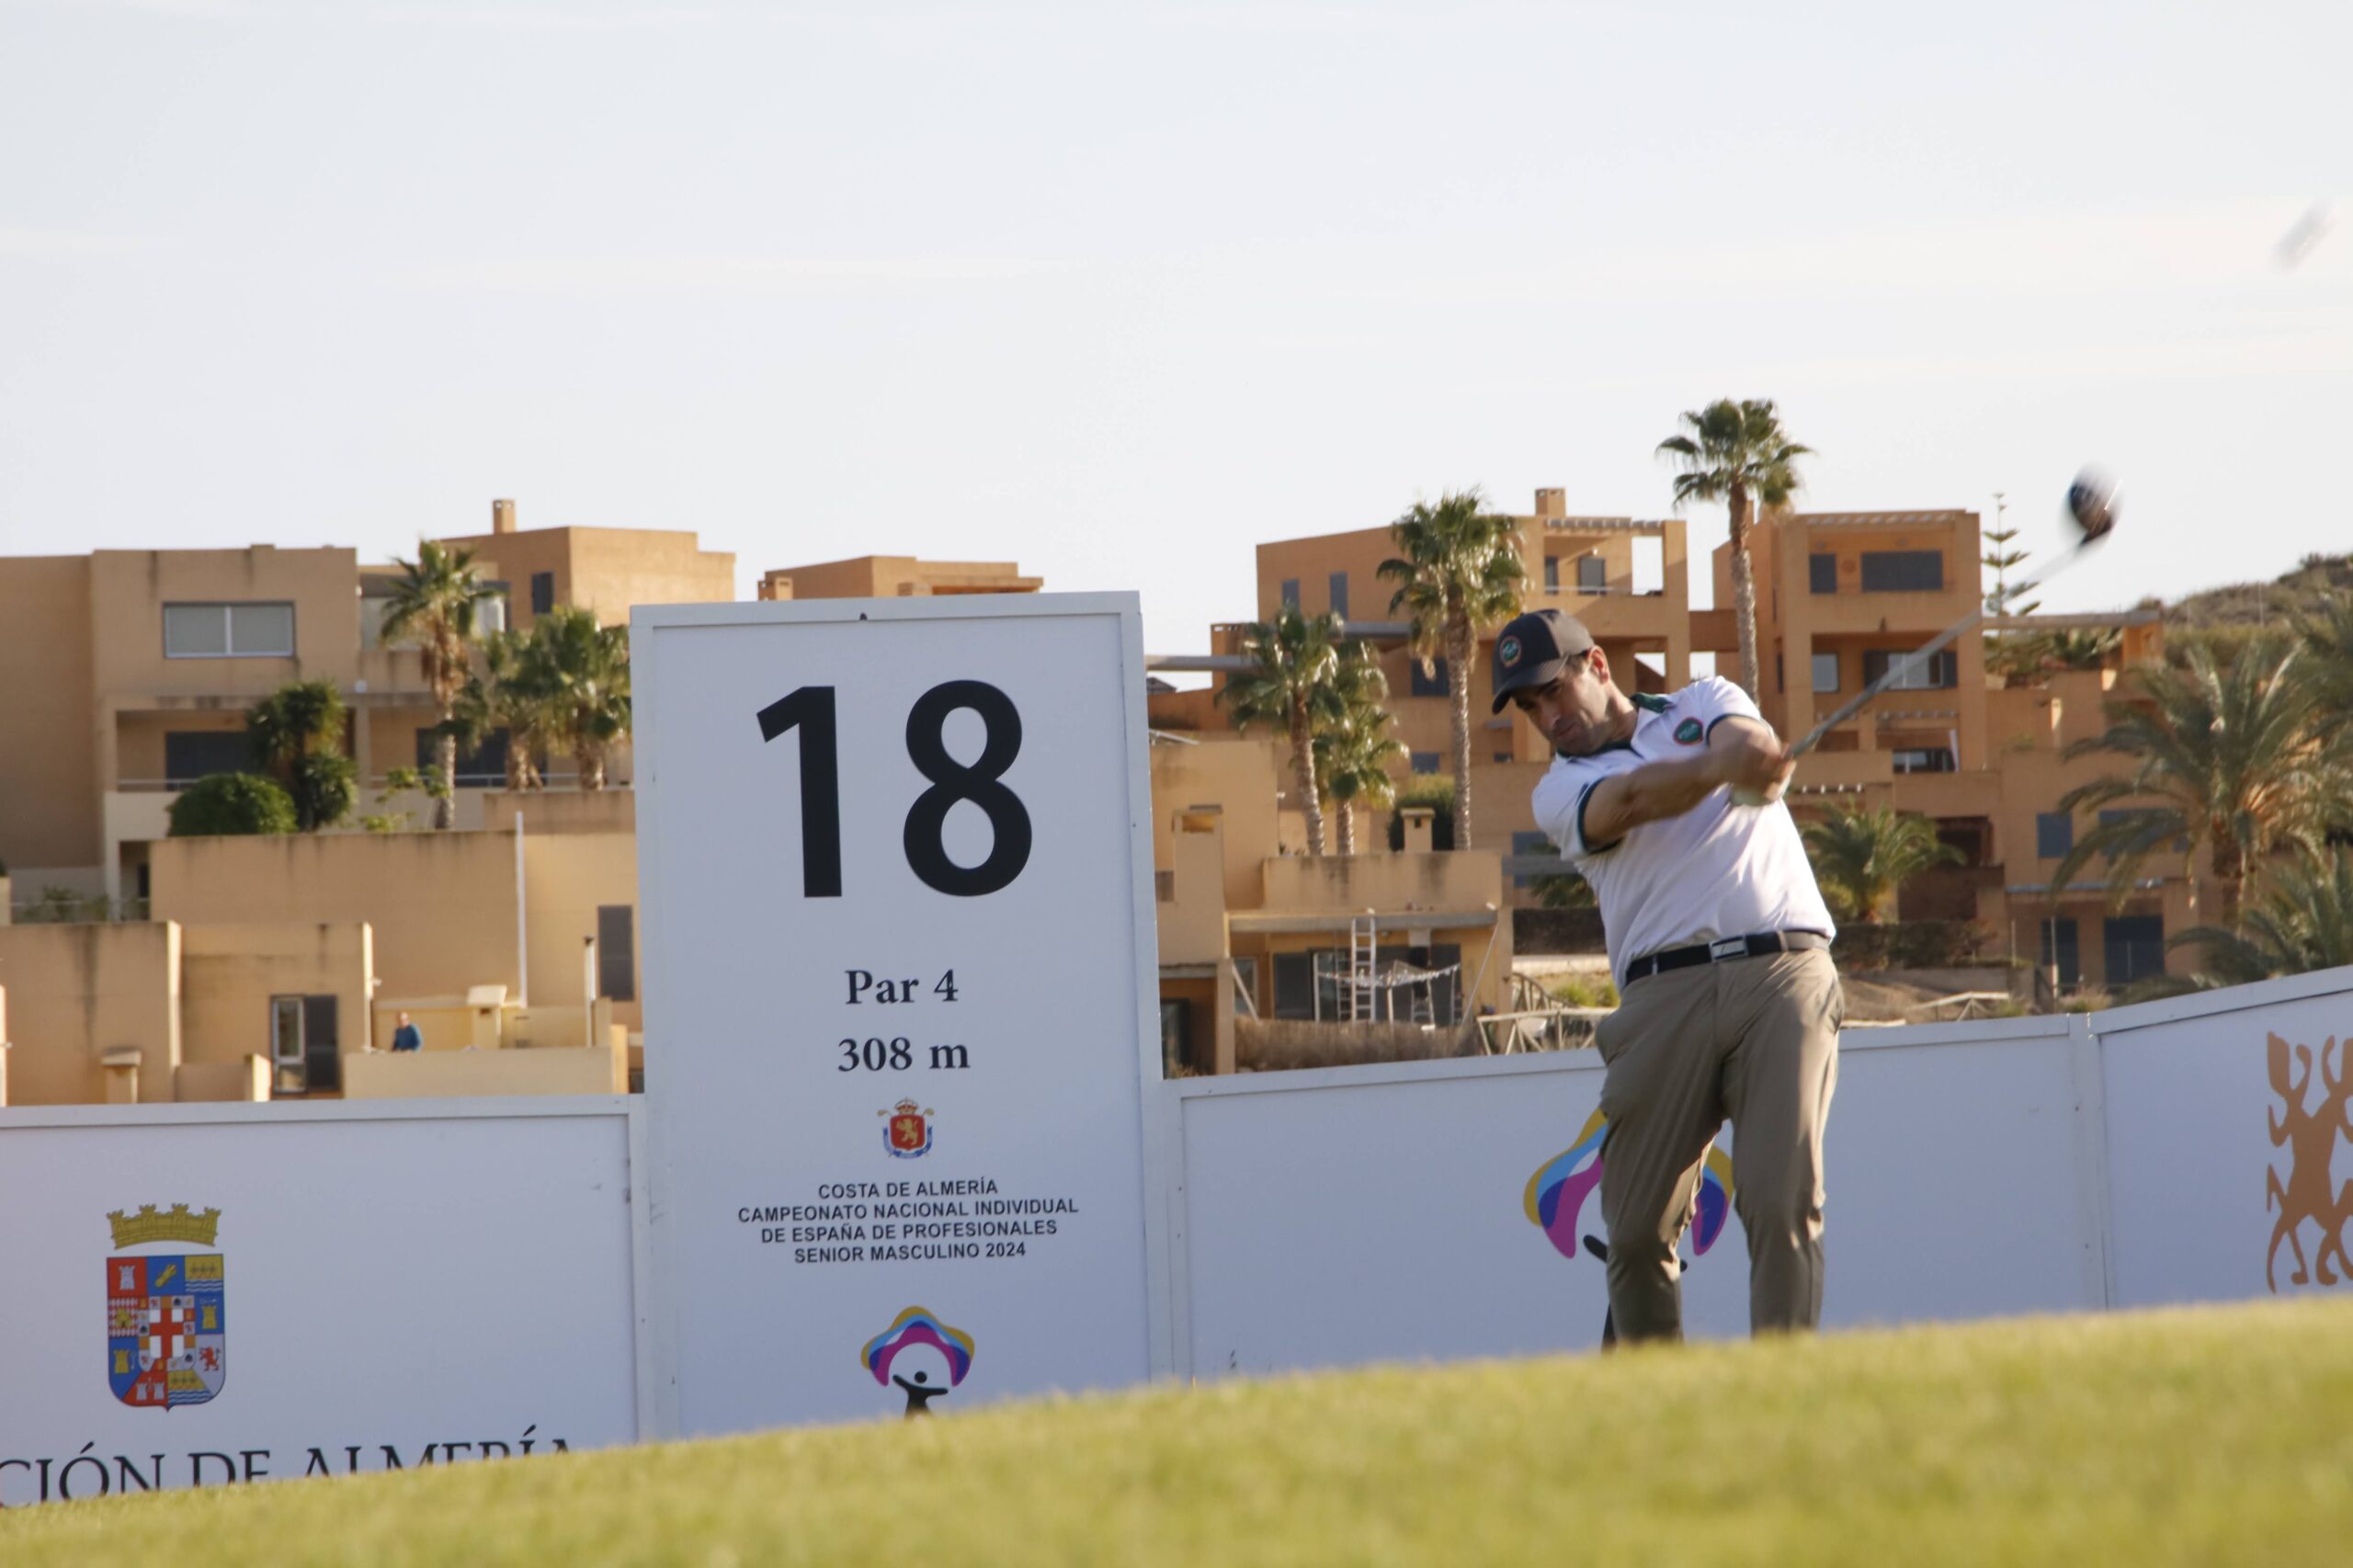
(1649,793)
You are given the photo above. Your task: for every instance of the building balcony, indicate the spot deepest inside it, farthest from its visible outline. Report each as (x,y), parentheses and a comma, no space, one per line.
(1311,893)
(1613,612)
(1873,614)
(1834,773)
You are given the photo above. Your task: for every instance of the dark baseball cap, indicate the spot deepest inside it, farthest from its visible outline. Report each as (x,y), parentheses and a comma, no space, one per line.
(1532,649)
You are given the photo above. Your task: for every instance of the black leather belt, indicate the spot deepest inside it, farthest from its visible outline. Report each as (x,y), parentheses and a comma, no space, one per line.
(1753,946)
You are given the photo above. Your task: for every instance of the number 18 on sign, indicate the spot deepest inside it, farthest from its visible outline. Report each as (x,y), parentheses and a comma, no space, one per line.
(895,884)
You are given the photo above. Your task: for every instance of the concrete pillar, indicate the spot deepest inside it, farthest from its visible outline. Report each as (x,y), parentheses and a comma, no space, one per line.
(1417,829)
(1221,1054)
(122,1068)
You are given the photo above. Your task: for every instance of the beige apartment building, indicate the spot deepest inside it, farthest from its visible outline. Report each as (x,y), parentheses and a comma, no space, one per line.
(149,660)
(264,967)
(895,577)
(1839,596)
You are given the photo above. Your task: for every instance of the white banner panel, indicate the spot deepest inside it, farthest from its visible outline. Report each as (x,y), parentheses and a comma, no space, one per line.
(896,864)
(2231,1141)
(1440,1208)
(197,1295)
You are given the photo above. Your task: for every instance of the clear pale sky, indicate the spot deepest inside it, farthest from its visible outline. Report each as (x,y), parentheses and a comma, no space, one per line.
(1121,291)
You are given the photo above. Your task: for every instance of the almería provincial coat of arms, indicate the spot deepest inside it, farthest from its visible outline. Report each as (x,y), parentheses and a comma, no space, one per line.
(166,1316)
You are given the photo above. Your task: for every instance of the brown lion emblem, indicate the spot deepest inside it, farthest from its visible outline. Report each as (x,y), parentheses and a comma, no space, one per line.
(2311,1138)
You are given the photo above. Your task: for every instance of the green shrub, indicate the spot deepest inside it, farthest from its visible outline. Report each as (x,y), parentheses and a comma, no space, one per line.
(1583,991)
(231,803)
(1434,790)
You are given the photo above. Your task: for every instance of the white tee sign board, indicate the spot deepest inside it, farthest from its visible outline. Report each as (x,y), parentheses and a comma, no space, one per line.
(895,870)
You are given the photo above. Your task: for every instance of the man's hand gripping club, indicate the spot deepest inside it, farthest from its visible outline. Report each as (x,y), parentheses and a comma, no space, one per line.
(1742,754)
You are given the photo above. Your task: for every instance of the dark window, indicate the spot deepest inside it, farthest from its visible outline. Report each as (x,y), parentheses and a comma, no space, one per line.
(2134,947)
(2059,950)
(1294,985)
(1924,759)
(1340,595)
(303,1045)
(1163,887)
(1290,592)
(1903,571)
(1825,671)
(1592,575)
(1537,843)
(1427,762)
(482,768)
(1429,683)
(1503,756)
(2126,813)
(1551,574)
(1822,574)
(1176,1035)
(1776,674)
(191,754)
(322,1055)
(1940,671)
(542,592)
(616,952)
(2055,834)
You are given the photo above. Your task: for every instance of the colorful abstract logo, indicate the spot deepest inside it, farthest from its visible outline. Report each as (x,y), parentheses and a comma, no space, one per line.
(1688,731)
(1556,1193)
(167,1313)
(1508,651)
(2310,1138)
(917,1326)
(907,1130)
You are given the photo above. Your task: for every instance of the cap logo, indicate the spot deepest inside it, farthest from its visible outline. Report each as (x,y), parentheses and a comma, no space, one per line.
(1508,651)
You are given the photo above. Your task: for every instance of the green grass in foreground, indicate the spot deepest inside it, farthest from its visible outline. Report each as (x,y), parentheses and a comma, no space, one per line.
(2215,1436)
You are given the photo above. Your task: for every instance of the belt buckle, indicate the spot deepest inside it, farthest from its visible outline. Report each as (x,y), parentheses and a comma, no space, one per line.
(1728,948)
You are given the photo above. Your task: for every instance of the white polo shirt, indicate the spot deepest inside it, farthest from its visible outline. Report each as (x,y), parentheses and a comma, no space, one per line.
(1717,870)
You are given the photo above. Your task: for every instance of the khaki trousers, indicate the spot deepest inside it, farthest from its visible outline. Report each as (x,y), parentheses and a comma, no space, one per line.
(1755,1039)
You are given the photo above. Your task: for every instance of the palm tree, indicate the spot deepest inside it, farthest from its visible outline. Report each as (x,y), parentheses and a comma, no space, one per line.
(1457,572)
(1861,856)
(2230,761)
(1737,453)
(2327,636)
(519,701)
(2302,920)
(434,604)
(297,735)
(583,668)
(1353,755)
(1291,687)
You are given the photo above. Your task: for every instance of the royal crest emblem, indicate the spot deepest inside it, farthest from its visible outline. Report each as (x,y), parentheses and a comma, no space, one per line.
(907,1130)
(166,1312)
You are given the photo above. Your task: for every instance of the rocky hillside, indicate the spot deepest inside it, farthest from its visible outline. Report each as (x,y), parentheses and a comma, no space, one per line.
(2256,604)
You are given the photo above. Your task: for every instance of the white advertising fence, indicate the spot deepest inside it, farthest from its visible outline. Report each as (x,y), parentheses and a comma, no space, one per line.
(197,1295)
(2198,1150)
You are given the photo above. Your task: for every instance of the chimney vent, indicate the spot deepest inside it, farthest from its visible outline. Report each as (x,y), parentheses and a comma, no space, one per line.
(502,516)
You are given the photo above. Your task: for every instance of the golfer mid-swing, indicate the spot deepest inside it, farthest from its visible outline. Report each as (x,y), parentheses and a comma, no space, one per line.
(1720,942)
